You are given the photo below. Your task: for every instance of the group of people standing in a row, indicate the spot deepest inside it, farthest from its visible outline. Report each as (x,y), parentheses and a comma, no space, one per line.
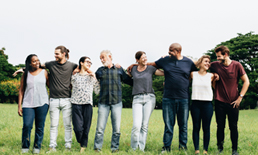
(178,70)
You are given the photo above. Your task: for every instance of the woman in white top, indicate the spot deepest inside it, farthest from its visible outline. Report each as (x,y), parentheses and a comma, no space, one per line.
(33,102)
(202,108)
(83,84)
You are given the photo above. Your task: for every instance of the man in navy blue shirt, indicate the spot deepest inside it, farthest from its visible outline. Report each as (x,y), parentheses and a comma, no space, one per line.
(177,69)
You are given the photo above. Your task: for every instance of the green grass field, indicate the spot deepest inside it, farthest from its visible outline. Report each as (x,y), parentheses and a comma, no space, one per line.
(11,129)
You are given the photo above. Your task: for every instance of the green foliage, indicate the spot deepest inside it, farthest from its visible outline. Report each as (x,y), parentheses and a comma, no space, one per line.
(9,91)
(244,48)
(127,97)
(6,69)
(158,86)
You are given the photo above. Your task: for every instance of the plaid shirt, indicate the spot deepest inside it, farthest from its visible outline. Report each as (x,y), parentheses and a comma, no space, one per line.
(111,84)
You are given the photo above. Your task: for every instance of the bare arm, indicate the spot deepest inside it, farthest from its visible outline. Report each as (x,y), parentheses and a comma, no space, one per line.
(159,72)
(213,81)
(152,64)
(20,96)
(246,84)
(18,71)
(129,69)
(47,80)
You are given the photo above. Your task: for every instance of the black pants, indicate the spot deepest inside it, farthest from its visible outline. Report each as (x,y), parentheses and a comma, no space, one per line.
(81,117)
(221,110)
(202,112)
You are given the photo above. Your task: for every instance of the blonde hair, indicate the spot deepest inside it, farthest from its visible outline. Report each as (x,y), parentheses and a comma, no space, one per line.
(199,61)
(107,52)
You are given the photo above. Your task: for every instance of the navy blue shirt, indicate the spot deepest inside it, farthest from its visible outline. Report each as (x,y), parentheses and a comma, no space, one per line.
(111,84)
(177,73)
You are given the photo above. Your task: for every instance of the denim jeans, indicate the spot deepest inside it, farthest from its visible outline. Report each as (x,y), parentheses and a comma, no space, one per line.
(29,114)
(202,112)
(57,105)
(172,108)
(221,110)
(103,112)
(143,106)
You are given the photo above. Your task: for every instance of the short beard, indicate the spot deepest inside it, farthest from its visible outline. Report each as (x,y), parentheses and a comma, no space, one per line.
(172,57)
(105,64)
(58,59)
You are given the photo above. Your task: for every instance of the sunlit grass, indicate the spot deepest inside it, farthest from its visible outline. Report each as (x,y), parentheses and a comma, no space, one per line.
(11,128)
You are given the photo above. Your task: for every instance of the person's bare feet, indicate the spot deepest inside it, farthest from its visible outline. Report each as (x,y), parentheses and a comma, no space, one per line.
(82,149)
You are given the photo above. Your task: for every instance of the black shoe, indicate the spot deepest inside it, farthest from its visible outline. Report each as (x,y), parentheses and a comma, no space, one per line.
(165,149)
(234,152)
(97,150)
(220,151)
(115,151)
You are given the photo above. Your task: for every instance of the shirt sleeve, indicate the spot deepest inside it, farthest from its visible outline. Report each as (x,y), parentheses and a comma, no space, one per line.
(153,69)
(126,78)
(97,73)
(73,78)
(159,62)
(74,66)
(96,86)
(193,67)
(47,65)
(241,70)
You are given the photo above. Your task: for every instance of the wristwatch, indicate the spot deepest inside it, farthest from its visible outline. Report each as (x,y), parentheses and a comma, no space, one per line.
(241,95)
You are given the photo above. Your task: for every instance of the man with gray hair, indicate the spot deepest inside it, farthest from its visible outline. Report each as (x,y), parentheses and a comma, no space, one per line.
(110,100)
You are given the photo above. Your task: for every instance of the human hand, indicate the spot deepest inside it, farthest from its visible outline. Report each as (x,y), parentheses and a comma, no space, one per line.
(18,71)
(129,69)
(216,77)
(237,102)
(118,65)
(76,70)
(20,111)
(163,56)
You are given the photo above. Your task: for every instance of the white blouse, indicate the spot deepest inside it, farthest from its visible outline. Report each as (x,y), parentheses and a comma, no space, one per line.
(83,86)
(201,87)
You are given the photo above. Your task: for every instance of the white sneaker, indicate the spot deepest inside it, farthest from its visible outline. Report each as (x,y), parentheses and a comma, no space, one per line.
(36,151)
(51,150)
(25,150)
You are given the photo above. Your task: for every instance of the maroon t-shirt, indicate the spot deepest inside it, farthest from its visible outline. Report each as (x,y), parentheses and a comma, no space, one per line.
(226,89)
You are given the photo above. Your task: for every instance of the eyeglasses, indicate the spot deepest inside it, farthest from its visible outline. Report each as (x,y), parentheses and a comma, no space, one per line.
(88,62)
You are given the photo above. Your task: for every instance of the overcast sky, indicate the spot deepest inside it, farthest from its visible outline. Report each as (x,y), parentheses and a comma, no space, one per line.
(121,26)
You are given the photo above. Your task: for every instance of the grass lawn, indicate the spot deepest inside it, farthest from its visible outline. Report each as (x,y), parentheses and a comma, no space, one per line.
(11,130)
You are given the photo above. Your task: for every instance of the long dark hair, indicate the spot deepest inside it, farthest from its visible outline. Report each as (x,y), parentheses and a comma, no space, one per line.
(82,59)
(27,69)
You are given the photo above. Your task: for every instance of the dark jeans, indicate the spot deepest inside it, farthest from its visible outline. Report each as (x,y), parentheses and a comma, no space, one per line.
(39,113)
(81,118)
(202,112)
(221,110)
(171,109)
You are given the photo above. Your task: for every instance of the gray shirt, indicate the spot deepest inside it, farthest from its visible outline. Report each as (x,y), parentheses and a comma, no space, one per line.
(60,78)
(142,81)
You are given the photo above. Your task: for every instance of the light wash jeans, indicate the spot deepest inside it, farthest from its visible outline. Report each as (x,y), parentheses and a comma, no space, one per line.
(103,112)
(172,109)
(57,105)
(143,106)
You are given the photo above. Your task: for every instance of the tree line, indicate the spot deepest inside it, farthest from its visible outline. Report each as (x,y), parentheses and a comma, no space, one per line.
(243,48)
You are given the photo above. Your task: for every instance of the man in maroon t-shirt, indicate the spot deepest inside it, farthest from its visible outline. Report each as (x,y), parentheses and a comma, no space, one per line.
(227,96)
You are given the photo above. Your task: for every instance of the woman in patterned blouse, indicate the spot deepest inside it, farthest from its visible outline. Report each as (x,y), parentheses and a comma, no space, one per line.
(83,84)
